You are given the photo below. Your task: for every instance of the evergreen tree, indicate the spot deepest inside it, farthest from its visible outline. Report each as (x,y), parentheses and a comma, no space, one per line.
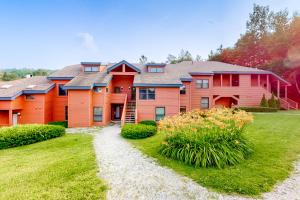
(264,102)
(272,102)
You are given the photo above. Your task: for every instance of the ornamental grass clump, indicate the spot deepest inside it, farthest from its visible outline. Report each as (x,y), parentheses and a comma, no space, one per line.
(210,138)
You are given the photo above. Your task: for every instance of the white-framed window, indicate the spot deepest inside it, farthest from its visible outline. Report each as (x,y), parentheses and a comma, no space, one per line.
(183,90)
(91,69)
(182,109)
(97,89)
(155,69)
(205,102)
(160,113)
(147,93)
(202,83)
(29,97)
(98,114)
(61,90)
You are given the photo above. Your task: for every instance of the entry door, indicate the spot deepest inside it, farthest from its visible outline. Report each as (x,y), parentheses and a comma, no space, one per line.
(117,113)
(133,93)
(15,119)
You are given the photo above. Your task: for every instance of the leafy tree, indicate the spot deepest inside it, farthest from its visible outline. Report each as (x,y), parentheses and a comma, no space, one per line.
(264,102)
(198,58)
(9,76)
(184,55)
(171,59)
(143,59)
(259,21)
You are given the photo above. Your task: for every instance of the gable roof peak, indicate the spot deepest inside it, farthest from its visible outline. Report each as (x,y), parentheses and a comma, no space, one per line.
(121,63)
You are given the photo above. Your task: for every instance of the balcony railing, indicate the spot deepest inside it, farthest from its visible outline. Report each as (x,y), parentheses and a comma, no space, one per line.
(118,97)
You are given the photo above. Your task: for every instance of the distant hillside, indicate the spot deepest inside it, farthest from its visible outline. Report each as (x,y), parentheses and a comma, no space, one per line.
(13,74)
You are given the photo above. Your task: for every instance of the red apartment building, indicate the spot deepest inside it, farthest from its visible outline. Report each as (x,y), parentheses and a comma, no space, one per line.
(94,94)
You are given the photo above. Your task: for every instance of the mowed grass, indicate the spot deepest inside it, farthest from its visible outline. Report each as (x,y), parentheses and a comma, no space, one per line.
(61,168)
(276,140)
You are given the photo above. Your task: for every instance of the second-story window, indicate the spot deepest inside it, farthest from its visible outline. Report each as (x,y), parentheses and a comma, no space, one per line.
(235,80)
(147,93)
(202,83)
(155,69)
(91,69)
(183,90)
(61,90)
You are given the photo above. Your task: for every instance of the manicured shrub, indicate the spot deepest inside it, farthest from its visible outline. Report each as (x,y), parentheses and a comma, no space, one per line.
(28,134)
(272,102)
(149,122)
(258,109)
(210,138)
(60,123)
(137,131)
(264,102)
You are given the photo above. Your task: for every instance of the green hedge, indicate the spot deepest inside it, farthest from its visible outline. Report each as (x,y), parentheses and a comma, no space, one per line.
(28,134)
(148,122)
(60,123)
(258,109)
(137,131)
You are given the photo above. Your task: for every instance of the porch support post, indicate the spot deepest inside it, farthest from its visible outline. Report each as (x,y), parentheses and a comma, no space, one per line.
(258,80)
(230,80)
(123,67)
(278,88)
(221,80)
(268,82)
(10,117)
(285,92)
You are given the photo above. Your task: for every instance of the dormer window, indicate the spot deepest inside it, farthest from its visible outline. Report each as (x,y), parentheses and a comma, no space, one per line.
(91,69)
(155,69)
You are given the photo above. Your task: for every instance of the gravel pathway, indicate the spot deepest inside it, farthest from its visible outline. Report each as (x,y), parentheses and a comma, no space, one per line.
(132,175)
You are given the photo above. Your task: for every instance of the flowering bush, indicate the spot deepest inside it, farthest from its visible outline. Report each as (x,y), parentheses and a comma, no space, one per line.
(206,138)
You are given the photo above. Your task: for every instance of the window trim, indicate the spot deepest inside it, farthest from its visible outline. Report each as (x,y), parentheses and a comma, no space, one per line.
(98,107)
(66,91)
(91,69)
(201,84)
(182,107)
(155,70)
(147,93)
(156,112)
(29,99)
(182,90)
(202,103)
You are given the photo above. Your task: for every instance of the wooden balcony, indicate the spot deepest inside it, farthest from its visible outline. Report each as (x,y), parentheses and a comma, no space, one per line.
(118,97)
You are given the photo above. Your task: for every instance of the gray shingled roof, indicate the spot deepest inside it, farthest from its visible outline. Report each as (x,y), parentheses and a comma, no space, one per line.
(173,73)
(67,72)
(18,87)
(88,79)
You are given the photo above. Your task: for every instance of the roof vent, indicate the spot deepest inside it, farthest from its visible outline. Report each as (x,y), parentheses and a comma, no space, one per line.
(30,86)
(5,86)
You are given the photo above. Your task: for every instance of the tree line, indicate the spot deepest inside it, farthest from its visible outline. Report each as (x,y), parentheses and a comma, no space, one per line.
(13,74)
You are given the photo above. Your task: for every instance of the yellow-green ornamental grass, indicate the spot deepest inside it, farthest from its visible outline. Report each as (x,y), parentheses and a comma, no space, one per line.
(210,138)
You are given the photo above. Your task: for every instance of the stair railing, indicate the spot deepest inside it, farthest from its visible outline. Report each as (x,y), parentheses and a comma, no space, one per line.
(124,111)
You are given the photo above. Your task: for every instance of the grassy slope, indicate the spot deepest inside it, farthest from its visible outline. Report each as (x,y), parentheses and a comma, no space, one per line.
(276,139)
(61,168)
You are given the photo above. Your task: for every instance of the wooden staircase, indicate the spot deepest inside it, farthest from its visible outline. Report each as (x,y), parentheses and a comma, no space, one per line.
(130,112)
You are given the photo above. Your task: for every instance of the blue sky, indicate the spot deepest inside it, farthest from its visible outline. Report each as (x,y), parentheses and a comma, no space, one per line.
(56,33)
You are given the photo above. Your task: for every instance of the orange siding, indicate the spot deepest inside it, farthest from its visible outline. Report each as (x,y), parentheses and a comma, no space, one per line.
(59,102)
(4,120)
(33,110)
(80,108)
(164,97)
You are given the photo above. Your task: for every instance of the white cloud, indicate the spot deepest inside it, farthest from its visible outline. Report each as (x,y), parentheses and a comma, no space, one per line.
(88,41)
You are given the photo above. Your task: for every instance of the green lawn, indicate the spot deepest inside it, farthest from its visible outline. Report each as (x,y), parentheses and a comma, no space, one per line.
(276,140)
(61,168)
